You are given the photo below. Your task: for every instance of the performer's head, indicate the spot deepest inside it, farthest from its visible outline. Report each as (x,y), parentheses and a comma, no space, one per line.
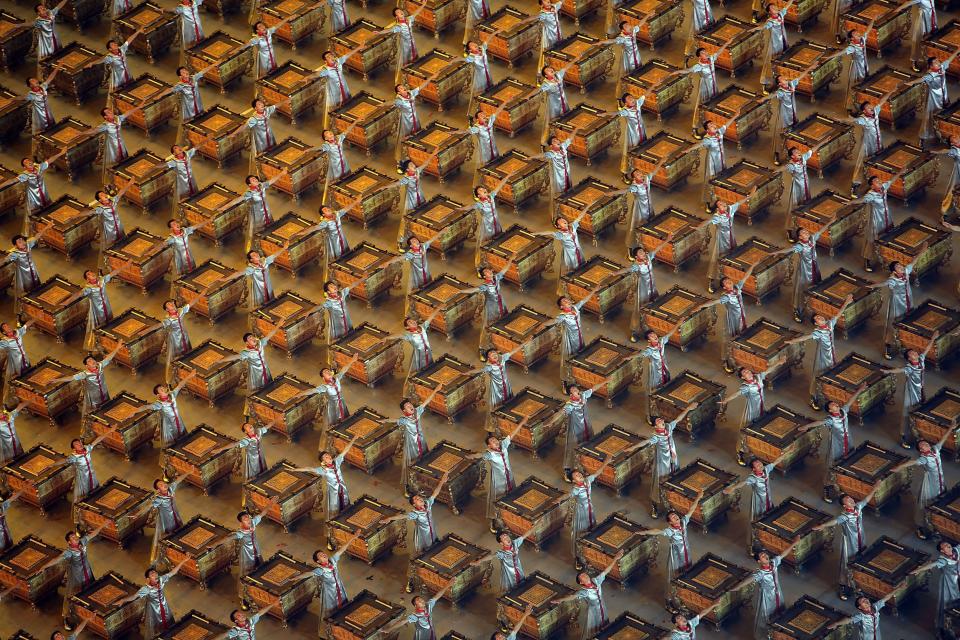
(183,74)
(847,502)
(402,90)
(33,84)
(480,192)
(152,576)
(399,15)
(763,559)
(320,557)
(561,223)
(417,502)
(863,604)
(912,356)
(258,105)
(252,181)
(107,114)
(548,72)
(329,136)
(745,374)
(803,235)
(72,538)
(41,10)
(471,47)
(701,55)
(564,303)
(577,477)
(756,465)
(486,273)
(113,46)
(327,212)
(249,340)
(584,579)
(933,63)
(102,197)
(554,142)
(170,306)
(160,486)
(253,256)
(493,443)
(652,337)
(673,518)
(639,254)
(491,355)
(408,167)
(413,243)
(727,285)
(90,276)
(330,58)
(924,447)
(624,27)
(331,289)
(260,29)
(326,459)
(628,100)
(897,268)
(77,445)
(238,617)
(680,621)
(90,363)
(410,324)
(407,407)
(243,517)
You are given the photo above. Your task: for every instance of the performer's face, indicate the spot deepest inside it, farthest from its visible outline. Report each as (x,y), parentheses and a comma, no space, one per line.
(804,235)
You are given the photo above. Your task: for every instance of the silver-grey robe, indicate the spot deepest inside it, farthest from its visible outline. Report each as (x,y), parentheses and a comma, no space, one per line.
(578,427)
(171,424)
(424,533)
(250,556)
(254,462)
(157,615)
(258,277)
(10,446)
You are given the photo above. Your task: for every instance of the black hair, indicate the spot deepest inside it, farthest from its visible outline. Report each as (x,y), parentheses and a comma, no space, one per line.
(233,615)
(156,388)
(646,334)
(241,514)
(88,271)
(113,41)
(893,265)
(179,69)
(89,357)
(248,335)
(487,352)
(75,440)
(251,252)
(405,402)
(250,177)
(699,51)
(157,482)
(146,574)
